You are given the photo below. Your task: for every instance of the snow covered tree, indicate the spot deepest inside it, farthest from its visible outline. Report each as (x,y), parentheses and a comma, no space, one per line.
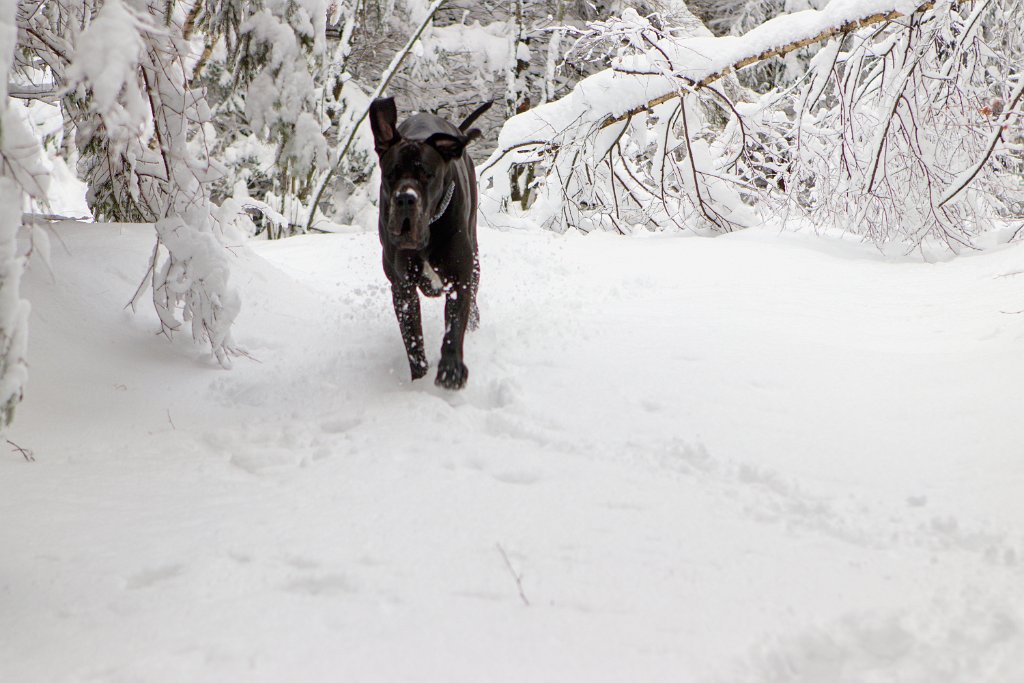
(901,133)
(272,80)
(22,172)
(898,131)
(140,131)
(608,158)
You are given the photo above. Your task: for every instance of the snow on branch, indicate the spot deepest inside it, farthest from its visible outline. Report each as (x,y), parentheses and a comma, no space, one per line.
(893,132)
(901,144)
(969,174)
(638,83)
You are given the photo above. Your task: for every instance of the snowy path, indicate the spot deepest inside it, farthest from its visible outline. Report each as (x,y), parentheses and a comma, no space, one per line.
(755,458)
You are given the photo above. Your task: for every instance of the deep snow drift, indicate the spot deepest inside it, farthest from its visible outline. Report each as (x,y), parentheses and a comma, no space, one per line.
(754,458)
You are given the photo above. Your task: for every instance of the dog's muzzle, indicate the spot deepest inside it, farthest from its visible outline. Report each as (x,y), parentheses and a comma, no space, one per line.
(406,223)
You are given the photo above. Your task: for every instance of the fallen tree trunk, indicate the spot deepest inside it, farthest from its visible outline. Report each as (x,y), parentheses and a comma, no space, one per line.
(847,27)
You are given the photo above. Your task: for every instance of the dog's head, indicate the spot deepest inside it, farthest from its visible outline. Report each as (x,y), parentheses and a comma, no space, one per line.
(413,174)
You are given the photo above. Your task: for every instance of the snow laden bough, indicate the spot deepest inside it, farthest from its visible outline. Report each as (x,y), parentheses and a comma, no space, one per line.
(193,277)
(901,130)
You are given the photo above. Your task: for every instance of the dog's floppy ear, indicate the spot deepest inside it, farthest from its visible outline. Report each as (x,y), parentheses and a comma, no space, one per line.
(449,146)
(384,123)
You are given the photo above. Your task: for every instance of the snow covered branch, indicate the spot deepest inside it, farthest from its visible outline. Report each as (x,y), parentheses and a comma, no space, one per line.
(670,66)
(862,141)
(897,136)
(1001,124)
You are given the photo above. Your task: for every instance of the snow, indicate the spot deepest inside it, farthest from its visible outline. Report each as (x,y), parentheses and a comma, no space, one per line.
(268,29)
(21,155)
(759,458)
(307,145)
(108,54)
(490,44)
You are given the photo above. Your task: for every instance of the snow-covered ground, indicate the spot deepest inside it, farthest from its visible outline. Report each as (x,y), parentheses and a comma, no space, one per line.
(758,458)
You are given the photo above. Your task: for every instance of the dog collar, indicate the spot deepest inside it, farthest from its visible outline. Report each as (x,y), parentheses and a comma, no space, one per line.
(445,203)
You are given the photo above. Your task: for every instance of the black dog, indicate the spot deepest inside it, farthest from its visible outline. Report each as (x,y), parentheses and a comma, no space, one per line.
(427,228)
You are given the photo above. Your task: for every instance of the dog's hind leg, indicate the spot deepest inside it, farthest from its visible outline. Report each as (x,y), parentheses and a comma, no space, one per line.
(407,310)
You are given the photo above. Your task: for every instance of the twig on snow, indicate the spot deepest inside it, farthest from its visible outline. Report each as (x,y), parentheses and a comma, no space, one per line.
(518,577)
(25,452)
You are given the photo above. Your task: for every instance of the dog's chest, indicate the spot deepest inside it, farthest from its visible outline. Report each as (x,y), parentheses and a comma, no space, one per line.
(430,282)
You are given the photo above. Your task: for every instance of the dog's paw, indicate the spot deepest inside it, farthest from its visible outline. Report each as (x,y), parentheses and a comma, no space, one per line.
(418,367)
(451,374)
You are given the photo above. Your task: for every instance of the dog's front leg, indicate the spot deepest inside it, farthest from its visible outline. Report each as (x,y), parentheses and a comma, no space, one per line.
(451,371)
(407,310)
